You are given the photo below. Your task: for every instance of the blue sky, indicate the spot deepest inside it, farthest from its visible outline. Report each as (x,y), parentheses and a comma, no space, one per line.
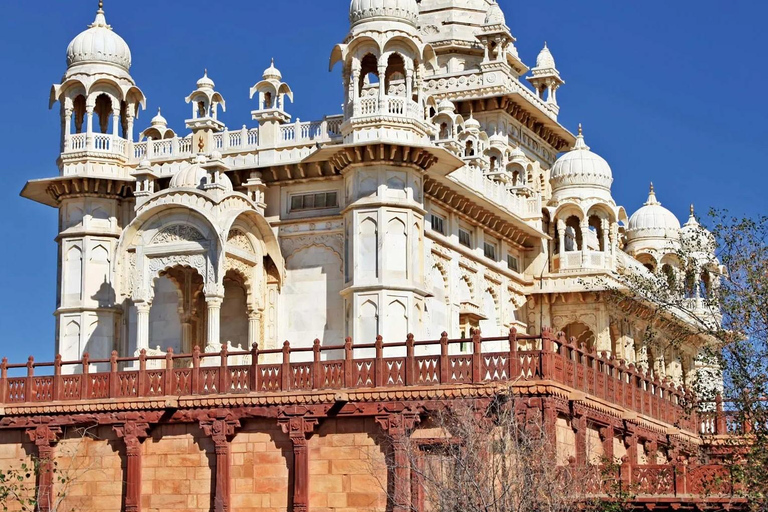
(672,92)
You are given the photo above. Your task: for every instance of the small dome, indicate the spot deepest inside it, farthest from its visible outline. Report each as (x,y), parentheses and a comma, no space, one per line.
(495,16)
(653,221)
(272,73)
(581,169)
(205,82)
(193,176)
(517,156)
(99,44)
(696,237)
(545,60)
(387,10)
(159,120)
(472,124)
(446,106)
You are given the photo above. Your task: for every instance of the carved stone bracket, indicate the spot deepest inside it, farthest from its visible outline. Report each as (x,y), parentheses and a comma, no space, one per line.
(399,425)
(45,438)
(221,430)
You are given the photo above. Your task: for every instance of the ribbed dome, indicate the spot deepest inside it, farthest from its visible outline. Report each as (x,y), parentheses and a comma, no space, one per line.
(205,82)
(653,221)
(581,169)
(195,176)
(159,120)
(367,10)
(472,124)
(446,106)
(272,73)
(495,16)
(545,60)
(99,44)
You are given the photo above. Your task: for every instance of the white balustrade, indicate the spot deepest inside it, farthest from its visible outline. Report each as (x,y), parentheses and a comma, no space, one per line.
(218,141)
(253,137)
(102,142)
(76,142)
(139,150)
(185,145)
(287,133)
(235,139)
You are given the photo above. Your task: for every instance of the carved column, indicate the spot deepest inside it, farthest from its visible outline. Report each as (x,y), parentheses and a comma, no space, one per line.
(142,325)
(630,443)
(254,328)
(132,434)
(45,438)
(297,429)
(579,426)
(221,432)
(399,427)
(606,436)
(214,319)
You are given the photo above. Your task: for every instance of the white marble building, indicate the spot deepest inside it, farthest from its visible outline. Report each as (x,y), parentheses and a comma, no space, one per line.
(436,201)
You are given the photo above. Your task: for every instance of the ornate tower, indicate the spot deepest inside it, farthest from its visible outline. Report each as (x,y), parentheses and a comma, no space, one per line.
(546,79)
(99,103)
(386,157)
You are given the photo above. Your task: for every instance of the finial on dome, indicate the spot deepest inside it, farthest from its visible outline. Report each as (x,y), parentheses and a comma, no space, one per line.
(580,143)
(100,20)
(652,197)
(101,5)
(693,211)
(581,128)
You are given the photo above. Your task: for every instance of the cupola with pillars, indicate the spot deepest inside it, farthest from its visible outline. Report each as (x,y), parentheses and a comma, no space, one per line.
(546,79)
(205,122)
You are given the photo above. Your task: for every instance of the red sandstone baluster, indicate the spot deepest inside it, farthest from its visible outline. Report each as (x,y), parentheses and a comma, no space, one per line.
(254,374)
(317,366)
(720,425)
(29,383)
(56,380)
(625,474)
(514,363)
(379,363)
(4,380)
(224,383)
(348,363)
(546,350)
(477,344)
(113,382)
(85,383)
(445,362)
(196,370)
(410,362)
(285,372)
(141,388)
(168,373)
(681,478)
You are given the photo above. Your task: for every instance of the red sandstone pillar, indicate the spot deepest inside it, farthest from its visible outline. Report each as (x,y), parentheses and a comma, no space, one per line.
(45,438)
(297,429)
(399,427)
(579,426)
(133,434)
(221,431)
(606,436)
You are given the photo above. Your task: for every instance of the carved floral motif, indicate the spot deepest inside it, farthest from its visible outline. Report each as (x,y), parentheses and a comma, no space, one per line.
(177,233)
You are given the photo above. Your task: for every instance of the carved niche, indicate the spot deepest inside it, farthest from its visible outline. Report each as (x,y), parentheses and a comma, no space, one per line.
(177,233)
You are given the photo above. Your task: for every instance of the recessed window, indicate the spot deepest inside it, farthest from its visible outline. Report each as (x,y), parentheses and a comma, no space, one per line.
(465,238)
(314,201)
(438,224)
(513,263)
(489,250)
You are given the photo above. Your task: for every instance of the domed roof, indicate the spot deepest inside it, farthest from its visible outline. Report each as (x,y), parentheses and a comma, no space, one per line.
(696,237)
(159,120)
(495,16)
(205,82)
(99,44)
(272,73)
(545,60)
(472,124)
(196,176)
(446,106)
(580,168)
(653,221)
(400,10)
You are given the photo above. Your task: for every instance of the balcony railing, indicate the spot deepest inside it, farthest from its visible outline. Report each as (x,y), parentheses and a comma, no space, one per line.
(243,140)
(374,365)
(574,261)
(389,105)
(497,192)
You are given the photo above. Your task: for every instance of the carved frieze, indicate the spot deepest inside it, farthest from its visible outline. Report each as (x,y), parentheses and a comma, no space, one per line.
(177,233)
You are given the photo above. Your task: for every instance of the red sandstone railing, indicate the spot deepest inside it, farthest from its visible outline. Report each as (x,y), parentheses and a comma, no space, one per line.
(555,359)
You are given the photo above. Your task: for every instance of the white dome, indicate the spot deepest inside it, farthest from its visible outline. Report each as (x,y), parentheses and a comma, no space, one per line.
(99,44)
(696,237)
(193,176)
(400,10)
(159,120)
(272,73)
(446,106)
(495,16)
(472,124)
(205,82)
(653,221)
(581,169)
(545,60)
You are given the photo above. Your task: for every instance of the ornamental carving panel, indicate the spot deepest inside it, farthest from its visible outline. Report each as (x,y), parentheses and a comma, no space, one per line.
(240,240)
(334,242)
(177,233)
(196,261)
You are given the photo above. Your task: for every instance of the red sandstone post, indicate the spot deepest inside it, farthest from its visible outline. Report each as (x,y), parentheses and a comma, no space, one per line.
(168,374)
(477,344)
(113,382)
(56,380)
(317,366)
(142,379)
(285,371)
(514,362)
(85,382)
(223,369)
(445,363)
(4,380)
(721,427)
(410,362)
(196,370)
(29,392)
(254,373)
(379,363)
(348,362)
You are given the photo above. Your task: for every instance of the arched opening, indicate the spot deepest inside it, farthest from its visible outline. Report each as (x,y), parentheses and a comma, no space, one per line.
(670,276)
(395,76)
(648,261)
(234,311)
(444,131)
(177,315)
(597,242)
(103,111)
(573,239)
(582,334)
(369,74)
(268,100)
(705,284)
(469,148)
(79,113)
